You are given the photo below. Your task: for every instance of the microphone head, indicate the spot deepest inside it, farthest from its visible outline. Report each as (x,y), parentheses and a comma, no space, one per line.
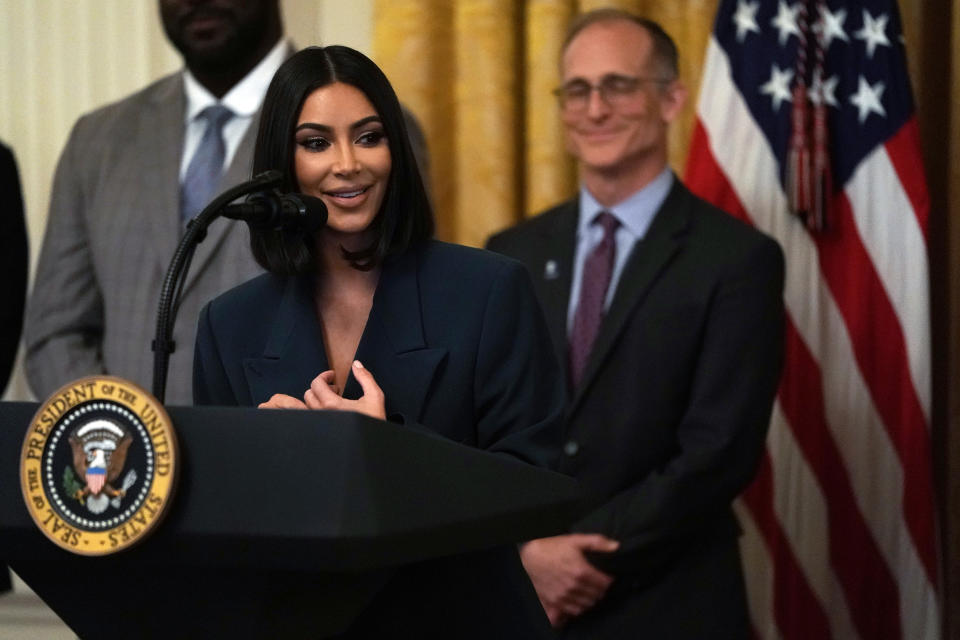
(310,212)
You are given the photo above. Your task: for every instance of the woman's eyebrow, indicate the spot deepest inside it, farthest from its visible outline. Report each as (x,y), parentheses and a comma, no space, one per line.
(367,120)
(326,129)
(313,125)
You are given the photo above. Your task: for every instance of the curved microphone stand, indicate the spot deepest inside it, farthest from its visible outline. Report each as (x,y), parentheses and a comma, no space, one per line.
(163,344)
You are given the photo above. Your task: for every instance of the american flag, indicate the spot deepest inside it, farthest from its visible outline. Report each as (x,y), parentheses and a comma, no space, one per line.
(839,525)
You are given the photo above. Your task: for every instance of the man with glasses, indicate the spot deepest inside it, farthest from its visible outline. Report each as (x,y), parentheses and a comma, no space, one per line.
(667,314)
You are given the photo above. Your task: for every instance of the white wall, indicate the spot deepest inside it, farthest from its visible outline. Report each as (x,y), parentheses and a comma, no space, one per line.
(62,58)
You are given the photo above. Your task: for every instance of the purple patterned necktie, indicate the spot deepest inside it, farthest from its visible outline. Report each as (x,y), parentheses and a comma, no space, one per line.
(203,173)
(597,272)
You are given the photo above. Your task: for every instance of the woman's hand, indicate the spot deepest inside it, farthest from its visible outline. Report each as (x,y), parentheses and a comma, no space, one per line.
(323,395)
(281,401)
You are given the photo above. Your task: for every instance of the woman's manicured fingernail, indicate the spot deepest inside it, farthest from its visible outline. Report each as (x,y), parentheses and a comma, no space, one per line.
(358,364)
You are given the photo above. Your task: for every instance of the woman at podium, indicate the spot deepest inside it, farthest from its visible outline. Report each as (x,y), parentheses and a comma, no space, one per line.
(370,314)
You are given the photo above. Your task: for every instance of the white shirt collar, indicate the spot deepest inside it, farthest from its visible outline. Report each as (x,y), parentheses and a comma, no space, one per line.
(245,97)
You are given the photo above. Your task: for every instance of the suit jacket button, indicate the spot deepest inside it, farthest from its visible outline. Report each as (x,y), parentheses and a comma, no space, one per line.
(571,448)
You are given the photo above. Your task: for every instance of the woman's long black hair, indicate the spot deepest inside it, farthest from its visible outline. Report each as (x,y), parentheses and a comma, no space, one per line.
(405,217)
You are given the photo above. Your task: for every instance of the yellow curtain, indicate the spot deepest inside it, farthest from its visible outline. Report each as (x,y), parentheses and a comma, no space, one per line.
(479,73)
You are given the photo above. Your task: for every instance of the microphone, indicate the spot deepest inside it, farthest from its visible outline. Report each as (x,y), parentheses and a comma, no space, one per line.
(272,210)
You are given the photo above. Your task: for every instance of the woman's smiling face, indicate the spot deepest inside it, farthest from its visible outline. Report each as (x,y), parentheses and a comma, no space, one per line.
(342,156)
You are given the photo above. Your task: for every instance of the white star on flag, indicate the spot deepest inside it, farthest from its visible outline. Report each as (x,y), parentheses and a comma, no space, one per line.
(830,26)
(778,86)
(824,91)
(786,21)
(873,32)
(746,18)
(867,99)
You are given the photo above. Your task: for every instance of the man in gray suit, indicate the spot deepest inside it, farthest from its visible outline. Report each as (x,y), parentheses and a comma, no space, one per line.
(115,211)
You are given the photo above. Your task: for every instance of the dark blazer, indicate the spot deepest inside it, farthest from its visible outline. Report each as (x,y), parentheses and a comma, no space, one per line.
(13,266)
(458,344)
(13,263)
(669,421)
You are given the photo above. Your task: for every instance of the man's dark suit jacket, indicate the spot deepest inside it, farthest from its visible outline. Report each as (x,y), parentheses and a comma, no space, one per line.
(458,344)
(13,266)
(669,421)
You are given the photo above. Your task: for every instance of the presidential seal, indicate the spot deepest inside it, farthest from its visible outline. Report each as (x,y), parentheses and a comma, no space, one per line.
(99,465)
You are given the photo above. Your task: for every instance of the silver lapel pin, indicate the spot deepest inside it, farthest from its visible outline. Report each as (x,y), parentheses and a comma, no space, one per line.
(550,270)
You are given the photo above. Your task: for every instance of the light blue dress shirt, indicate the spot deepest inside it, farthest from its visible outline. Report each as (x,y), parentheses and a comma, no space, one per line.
(634,214)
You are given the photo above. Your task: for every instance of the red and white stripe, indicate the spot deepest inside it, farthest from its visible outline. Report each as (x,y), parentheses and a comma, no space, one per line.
(839,525)
(95,482)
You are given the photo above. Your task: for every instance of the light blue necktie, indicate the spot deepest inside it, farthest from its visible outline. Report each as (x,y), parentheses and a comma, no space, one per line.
(203,173)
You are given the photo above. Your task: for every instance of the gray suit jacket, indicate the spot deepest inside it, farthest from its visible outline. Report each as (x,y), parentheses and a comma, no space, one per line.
(113,227)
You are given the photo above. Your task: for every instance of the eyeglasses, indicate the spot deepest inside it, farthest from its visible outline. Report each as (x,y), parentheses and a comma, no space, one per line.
(616,90)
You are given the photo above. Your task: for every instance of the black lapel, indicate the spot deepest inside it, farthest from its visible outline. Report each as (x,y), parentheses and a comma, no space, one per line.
(393,346)
(646,262)
(294,352)
(552,271)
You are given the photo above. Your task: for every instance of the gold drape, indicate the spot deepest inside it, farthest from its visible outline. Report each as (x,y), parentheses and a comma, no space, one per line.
(487,104)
